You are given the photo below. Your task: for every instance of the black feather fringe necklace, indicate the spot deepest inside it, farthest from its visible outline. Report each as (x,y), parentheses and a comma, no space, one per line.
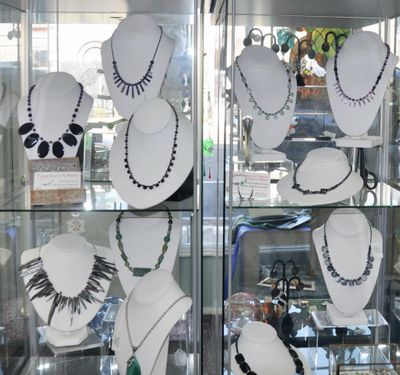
(42,287)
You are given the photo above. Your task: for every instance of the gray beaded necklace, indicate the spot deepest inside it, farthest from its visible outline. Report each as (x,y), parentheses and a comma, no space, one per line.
(261,111)
(336,275)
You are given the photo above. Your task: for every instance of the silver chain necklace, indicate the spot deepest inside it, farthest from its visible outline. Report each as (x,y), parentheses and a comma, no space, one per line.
(132,365)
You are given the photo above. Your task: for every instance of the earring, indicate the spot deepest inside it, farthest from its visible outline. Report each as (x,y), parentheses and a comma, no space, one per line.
(325,45)
(248,41)
(275,45)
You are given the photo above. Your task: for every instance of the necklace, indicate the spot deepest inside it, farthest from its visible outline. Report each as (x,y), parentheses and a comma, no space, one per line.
(132,365)
(245,367)
(134,87)
(171,158)
(3,93)
(139,271)
(68,137)
(371,93)
(42,287)
(262,112)
(335,274)
(297,186)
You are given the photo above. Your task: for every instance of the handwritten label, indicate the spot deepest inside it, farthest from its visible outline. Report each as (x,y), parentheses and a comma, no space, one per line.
(57,180)
(251,185)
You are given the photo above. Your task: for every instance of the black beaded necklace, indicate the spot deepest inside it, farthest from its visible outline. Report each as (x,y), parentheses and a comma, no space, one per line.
(245,367)
(336,275)
(44,146)
(347,99)
(297,186)
(171,158)
(262,112)
(3,93)
(133,88)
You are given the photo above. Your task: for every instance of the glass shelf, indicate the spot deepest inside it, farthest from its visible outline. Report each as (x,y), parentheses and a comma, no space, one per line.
(100,197)
(383,196)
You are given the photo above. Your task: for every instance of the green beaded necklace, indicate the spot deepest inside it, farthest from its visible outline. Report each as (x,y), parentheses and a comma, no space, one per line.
(140,271)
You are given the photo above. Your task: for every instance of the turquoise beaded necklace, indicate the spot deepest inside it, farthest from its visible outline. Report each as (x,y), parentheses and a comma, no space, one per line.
(141,271)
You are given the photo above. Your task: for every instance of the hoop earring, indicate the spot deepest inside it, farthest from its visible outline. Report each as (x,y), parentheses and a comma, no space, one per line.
(248,41)
(274,45)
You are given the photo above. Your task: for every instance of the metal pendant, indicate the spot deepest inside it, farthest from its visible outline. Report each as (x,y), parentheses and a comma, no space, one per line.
(132,366)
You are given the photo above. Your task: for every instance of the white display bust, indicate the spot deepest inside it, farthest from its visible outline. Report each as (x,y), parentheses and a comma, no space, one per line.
(53,101)
(150,143)
(322,168)
(143,238)
(264,351)
(134,43)
(154,294)
(68,261)
(348,236)
(267,78)
(359,63)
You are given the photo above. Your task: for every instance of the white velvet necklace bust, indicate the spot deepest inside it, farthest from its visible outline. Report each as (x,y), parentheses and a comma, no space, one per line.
(154,294)
(348,236)
(143,239)
(267,78)
(359,63)
(150,144)
(264,352)
(134,44)
(53,101)
(68,260)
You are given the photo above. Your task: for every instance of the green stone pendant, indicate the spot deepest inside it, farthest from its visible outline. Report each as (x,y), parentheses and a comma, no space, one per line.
(132,366)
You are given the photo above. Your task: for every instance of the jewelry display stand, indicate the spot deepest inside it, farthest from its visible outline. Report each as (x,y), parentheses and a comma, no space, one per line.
(357,79)
(153,295)
(68,262)
(267,79)
(322,168)
(53,100)
(134,43)
(150,142)
(264,351)
(7,105)
(143,239)
(348,236)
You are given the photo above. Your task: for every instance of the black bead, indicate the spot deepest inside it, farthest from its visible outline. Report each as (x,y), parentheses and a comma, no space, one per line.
(69,139)
(25,128)
(239,358)
(75,129)
(74,115)
(31,140)
(244,367)
(58,149)
(43,149)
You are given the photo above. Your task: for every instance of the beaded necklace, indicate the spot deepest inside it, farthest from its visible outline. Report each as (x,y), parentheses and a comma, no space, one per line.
(140,271)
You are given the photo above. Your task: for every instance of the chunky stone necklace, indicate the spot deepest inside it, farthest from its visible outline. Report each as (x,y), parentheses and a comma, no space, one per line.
(132,365)
(140,271)
(133,88)
(336,275)
(347,99)
(68,137)
(42,287)
(261,111)
(297,186)
(171,158)
(245,367)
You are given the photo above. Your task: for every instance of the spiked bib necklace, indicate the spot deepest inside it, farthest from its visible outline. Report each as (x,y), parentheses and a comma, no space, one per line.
(333,271)
(57,146)
(138,87)
(260,111)
(42,287)
(132,365)
(140,271)
(171,158)
(347,99)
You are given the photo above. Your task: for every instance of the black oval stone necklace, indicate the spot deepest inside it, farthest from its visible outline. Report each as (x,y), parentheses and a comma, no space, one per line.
(57,147)
(171,158)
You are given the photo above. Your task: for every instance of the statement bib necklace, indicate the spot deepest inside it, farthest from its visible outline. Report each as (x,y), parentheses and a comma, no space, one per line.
(336,275)
(171,158)
(140,271)
(261,111)
(44,146)
(133,88)
(132,365)
(347,99)
(245,367)
(297,186)
(42,287)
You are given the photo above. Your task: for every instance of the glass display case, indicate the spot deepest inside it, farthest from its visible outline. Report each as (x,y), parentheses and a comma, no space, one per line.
(278,263)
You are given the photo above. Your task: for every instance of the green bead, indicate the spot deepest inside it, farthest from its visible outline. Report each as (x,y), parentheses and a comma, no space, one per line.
(133,367)
(118,236)
(160,259)
(166,238)
(164,248)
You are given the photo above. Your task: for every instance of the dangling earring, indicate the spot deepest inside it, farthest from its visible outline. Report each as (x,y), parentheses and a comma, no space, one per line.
(248,41)
(274,45)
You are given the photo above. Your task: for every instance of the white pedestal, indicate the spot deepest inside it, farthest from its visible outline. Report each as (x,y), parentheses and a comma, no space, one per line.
(368,141)
(58,338)
(342,320)
(268,157)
